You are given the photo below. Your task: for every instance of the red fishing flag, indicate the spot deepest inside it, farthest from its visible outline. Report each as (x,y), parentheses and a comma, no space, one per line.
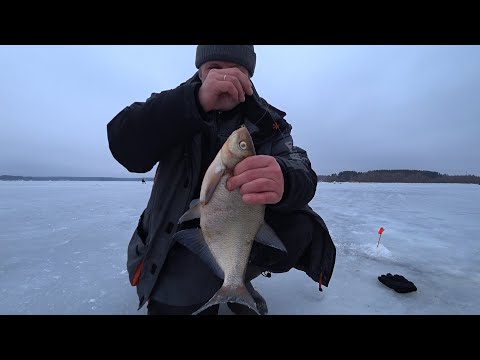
(380,231)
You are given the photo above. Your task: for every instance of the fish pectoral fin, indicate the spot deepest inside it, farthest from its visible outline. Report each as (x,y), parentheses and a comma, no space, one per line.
(194,203)
(267,236)
(193,240)
(211,179)
(192,213)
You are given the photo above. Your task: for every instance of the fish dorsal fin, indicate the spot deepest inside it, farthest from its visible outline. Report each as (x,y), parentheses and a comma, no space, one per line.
(211,179)
(192,213)
(267,236)
(194,241)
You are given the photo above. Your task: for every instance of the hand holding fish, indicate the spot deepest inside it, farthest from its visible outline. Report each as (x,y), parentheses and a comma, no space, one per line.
(260,180)
(223,89)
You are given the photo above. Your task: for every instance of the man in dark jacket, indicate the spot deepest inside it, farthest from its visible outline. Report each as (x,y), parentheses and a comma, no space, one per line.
(182,130)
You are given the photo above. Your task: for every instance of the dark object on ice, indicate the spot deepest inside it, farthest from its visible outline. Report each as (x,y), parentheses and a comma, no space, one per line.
(397,283)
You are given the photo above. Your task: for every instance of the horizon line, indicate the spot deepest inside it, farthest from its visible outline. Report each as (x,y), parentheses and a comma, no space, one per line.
(139,176)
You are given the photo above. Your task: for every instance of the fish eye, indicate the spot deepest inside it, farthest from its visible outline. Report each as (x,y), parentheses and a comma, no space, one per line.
(242,145)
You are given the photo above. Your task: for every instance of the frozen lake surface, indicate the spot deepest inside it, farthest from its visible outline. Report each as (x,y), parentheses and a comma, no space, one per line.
(64,245)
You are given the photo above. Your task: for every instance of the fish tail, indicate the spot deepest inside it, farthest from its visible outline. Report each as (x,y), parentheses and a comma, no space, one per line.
(233,294)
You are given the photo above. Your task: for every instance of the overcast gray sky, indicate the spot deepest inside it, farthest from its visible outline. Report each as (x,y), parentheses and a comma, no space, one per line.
(351,107)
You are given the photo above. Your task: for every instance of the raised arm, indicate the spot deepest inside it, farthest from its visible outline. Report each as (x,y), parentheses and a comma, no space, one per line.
(143,132)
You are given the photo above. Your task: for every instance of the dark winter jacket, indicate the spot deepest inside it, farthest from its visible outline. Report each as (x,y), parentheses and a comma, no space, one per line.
(171,129)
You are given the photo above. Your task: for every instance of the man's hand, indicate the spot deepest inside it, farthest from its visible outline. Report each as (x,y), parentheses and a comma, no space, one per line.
(259,178)
(223,89)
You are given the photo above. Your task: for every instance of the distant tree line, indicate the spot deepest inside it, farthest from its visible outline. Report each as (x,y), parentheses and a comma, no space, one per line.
(399,176)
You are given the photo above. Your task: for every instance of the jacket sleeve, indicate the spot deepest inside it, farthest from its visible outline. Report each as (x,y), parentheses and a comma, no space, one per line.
(300,180)
(143,132)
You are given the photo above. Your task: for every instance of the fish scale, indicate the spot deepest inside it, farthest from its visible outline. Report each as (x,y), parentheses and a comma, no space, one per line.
(231,246)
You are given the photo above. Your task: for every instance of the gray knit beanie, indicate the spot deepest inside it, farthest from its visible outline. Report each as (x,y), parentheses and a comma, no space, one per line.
(240,54)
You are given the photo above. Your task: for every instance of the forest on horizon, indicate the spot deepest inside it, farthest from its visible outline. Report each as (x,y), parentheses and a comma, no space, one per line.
(399,176)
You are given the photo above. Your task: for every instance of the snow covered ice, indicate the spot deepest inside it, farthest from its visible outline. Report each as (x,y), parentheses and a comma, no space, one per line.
(63,247)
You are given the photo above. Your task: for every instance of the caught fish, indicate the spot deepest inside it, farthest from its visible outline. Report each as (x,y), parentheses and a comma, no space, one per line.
(228,226)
